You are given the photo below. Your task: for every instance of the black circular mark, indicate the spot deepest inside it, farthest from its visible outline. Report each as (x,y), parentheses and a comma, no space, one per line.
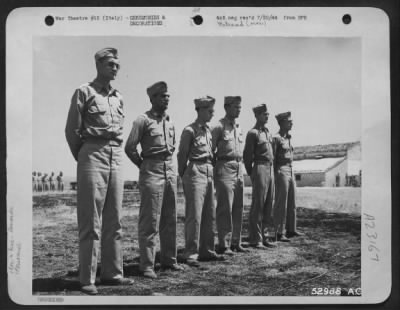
(346,19)
(198,20)
(49,20)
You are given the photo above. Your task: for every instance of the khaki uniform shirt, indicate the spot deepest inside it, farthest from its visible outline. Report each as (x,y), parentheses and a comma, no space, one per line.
(283,150)
(227,140)
(156,135)
(95,113)
(195,145)
(258,147)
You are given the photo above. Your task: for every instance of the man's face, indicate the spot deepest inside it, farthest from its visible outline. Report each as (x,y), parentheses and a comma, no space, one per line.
(108,68)
(160,102)
(287,124)
(233,109)
(262,117)
(206,114)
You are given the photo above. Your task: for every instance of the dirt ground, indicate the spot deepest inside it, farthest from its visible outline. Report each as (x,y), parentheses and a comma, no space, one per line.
(328,256)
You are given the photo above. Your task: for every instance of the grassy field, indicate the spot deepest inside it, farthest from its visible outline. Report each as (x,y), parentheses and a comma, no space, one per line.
(328,256)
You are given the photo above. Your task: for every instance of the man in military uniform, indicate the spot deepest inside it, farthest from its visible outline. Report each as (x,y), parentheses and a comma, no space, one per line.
(227,141)
(45,182)
(60,182)
(34,182)
(157,181)
(258,161)
(285,184)
(195,167)
(94,134)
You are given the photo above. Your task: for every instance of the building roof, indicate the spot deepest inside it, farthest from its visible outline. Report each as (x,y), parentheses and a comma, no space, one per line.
(319,151)
(316,165)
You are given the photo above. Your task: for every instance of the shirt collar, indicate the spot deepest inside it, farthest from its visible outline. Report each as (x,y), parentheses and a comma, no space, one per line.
(231,122)
(287,136)
(261,127)
(200,125)
(158,115)
(102,88)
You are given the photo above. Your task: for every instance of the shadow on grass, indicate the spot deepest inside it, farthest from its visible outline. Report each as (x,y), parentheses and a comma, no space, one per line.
(70,282)
(327,255)
(54,285)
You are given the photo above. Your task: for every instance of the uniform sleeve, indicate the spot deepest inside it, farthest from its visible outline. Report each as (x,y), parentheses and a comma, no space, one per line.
(184,150)
(174,138)
(73,128)
(134,138)
(275,144)
(216,133)
(248,152)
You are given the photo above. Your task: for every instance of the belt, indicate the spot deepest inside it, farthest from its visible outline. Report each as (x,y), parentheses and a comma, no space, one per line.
(201,160)
(230,158)
(284,165)
(263,162)
(164,157)
(103,140)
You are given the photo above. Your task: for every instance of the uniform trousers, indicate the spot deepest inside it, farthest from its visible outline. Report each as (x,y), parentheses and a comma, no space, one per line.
(229,212)
(261,210)
(285,200)
(158,191)
(52,186)
(99,203)
(198,187)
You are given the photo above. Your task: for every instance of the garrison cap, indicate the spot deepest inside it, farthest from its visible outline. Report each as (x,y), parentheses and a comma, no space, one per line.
(106,52)
(157,88)
(232,99)
(283,116)
(204,102)
(261,108)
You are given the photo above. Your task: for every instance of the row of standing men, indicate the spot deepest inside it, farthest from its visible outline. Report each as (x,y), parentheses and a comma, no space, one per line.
(45,182)
(205,157)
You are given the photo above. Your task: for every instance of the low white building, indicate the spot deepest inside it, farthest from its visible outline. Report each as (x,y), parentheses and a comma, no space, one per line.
(331,165)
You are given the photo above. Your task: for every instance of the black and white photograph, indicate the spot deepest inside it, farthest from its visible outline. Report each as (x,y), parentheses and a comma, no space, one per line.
(208,164)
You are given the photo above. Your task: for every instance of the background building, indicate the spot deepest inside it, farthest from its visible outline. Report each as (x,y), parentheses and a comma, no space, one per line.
(330,165)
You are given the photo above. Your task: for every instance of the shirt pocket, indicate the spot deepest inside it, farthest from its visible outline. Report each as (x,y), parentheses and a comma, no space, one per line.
(200,141)
(155,135)
(227,135)
(155,129)
(97,114)
(286,147)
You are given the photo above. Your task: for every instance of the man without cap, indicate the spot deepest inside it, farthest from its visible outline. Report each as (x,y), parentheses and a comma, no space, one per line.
(94,135)
(195,167)
(285,184)
(52,182)
(157,181)
(34,181)
(227,141)
(258,160)
(39,182)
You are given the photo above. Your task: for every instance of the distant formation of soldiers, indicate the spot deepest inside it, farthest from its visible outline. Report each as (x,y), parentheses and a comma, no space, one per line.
(208,159)
(47,183)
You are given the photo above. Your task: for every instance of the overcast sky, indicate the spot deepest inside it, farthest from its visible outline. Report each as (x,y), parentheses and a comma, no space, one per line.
(318,79)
